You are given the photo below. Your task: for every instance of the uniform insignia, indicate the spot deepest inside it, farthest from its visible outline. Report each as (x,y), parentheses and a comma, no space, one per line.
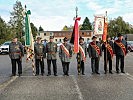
(17,47)
(54,46)
(40,47)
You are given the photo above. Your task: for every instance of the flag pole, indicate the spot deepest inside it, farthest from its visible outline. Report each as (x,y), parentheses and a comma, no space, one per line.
(78,56)
(106,41)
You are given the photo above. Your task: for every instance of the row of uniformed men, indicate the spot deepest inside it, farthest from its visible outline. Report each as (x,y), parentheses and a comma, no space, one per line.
(16,51)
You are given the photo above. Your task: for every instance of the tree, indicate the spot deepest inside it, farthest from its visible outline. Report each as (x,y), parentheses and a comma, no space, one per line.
(41,29)
(118,25)
(86,24)
(17,19)
(67,28)
(34,30)
(5,32)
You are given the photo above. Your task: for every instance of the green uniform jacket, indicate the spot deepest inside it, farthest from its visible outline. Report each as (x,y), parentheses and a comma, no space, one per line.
(39,50)
(16,50)
(63,56)
(51,50)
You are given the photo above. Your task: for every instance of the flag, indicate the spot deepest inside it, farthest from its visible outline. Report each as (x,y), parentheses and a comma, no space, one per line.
(75,36)
(29,40)
(105,32)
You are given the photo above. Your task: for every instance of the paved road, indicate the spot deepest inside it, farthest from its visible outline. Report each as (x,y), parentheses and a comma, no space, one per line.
(74,87)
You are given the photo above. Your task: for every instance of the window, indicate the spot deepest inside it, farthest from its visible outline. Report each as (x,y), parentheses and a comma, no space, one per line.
(82,33)
(51,33)
(63,34)
(60,40)
(59,34)
(44,34)
(56,40)
(88,33)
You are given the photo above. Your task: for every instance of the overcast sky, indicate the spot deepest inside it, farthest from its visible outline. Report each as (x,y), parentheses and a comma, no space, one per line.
(54,14)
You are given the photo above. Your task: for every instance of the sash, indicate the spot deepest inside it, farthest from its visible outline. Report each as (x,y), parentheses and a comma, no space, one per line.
(121,45)
(109,48)
(95,47)
(82,52)
(65,50)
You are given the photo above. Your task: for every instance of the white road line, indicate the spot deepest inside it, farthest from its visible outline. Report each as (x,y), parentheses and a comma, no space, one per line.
(77,88)
(3,85)
(129,76)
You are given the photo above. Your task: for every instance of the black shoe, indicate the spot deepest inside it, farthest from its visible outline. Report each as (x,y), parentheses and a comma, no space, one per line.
(83,74)
(36,74)
(93,73)
(19,75)
(42,74)
(122,72)
(105,72)
(98,73)
(13,75)
(67,74)
(110,72)
(55,75)
(117,72)
(48,74)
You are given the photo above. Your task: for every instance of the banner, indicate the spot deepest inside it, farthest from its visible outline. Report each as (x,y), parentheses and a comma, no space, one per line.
(29,40)
(99,25)
(65,50)
(105,32)
(75,36)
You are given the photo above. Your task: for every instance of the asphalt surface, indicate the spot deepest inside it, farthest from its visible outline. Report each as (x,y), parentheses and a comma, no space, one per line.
(73,87)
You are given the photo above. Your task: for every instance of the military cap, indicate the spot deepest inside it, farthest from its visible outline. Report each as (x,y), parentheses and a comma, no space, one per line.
(65,39)
(119,34)
(39,38)
(14,37)
(94,37)
(81,38)
(51,37)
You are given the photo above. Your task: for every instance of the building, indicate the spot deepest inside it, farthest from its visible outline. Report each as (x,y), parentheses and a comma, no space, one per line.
(59,35)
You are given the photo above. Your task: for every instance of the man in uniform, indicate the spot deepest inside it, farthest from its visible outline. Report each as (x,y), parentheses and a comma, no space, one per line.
(65,54)
(81,56)
(108,48)
(16,52)
(95,51)
(120,47)
(40,54)
(51,49)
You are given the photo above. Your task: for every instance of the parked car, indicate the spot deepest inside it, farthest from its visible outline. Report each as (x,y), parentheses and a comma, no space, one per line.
(4,48)
(130,45)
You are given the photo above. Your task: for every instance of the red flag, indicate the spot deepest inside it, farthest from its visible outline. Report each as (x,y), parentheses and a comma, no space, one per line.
(105,32)
(75,35)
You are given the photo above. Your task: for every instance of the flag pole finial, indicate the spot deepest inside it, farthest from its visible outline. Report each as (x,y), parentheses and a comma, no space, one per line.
(76,11)
(106,13)
(25,6)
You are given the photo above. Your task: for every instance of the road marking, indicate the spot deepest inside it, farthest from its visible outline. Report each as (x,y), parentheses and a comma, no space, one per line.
(77,88)
(3,85)
(129,76)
